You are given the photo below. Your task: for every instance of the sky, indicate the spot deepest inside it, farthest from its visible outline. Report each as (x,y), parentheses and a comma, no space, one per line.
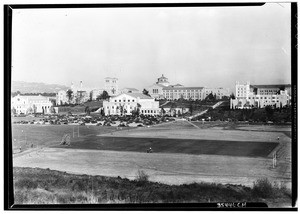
(194,46)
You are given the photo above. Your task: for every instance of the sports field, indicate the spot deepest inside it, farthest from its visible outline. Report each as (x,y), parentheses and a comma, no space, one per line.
(182,152)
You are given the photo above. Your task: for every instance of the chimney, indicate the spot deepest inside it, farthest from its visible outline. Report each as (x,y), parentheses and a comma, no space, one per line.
(81,84)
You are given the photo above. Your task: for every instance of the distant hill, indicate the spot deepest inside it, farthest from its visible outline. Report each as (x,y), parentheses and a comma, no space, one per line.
(36,87)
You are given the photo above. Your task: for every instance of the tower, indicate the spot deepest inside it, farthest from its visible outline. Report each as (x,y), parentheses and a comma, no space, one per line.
(111,86)
(163,81)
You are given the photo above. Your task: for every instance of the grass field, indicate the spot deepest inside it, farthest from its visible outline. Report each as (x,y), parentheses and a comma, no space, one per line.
(216,152)
(89,139)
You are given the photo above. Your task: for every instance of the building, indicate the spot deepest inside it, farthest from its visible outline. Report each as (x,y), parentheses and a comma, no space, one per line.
(31,104)
(259,96)
(125,103)
(219,92)
(111,86)
(156,90)
(188,93)
(61,97)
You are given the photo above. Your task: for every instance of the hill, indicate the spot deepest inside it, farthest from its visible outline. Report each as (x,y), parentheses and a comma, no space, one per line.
(36,87)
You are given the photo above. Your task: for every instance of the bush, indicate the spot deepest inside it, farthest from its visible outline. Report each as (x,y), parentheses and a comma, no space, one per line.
(142,176)
(263,188)
(26,183)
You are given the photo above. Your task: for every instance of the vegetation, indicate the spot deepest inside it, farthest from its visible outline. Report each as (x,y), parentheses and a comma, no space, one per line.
(146,92)
(44,186)
(279,115)
(103,96)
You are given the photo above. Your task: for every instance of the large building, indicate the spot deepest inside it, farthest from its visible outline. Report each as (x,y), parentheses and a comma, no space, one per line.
(188,93)
(22,104)
(156,90)
(124,104)
(111,86)
(260,96)
(162,89)
(219,92)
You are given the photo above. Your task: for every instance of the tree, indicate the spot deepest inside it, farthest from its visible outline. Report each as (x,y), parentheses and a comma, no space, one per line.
(69,95)
(146,92)
(103,96)
(210,97)
(13,110)
(232,96)
(87,110)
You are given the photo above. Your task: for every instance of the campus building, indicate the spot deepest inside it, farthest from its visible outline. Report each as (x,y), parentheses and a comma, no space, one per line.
(111,86)
(219,92)
(188,93)
(125,103)
(259,96)
(31,104)
(156,90)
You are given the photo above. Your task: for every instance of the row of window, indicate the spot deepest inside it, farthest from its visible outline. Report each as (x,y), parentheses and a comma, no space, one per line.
(123,101)
(192,90)
(150,111)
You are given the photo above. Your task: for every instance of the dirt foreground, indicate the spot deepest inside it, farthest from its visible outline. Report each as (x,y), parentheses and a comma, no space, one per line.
(169,169)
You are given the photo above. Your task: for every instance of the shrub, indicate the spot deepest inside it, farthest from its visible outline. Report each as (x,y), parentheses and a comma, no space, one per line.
(26,183)
(142,176)
(263,188)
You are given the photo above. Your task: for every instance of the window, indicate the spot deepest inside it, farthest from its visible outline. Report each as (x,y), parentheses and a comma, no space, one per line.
(119,100)
(129,101)
(115,100)
(132,100)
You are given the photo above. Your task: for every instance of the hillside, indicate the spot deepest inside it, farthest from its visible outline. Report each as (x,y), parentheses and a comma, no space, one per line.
(35,87)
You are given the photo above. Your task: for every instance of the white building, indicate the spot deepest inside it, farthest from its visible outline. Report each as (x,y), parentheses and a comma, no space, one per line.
(259,96)
(219,92)
(127,102)
(177,92)
(61,97)
(155,90)
(31,104)
(111,86)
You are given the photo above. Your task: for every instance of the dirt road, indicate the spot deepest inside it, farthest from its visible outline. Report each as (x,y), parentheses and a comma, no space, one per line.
(170,168)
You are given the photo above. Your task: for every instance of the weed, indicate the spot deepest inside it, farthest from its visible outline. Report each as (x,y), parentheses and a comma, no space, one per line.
(142,176)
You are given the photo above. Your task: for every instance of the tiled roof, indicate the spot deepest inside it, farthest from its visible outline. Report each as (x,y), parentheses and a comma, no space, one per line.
(180,88)
(135,95)
(271,86)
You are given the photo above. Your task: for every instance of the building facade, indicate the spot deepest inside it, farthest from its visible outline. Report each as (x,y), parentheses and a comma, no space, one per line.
(111,86)
(125,103)
(219,92)
(259,96)
(188,93)
(31,104)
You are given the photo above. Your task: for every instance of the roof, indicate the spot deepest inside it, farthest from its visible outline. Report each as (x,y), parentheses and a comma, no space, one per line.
(178,84)
(34,97)
(140,95)
(136,95)
(172,87)
(271,86)
(157,84)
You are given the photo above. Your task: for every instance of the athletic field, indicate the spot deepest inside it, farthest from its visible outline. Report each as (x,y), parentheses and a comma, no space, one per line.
(183,153)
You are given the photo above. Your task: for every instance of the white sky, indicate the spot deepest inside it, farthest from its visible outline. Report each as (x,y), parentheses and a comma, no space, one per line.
(196,46)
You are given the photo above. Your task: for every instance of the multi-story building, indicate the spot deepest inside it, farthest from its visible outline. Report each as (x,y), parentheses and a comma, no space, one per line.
(219,92)
(260,96)
(111,86)
(61,97)
(156,90)
(31,104)
(188,93)
(125,103)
